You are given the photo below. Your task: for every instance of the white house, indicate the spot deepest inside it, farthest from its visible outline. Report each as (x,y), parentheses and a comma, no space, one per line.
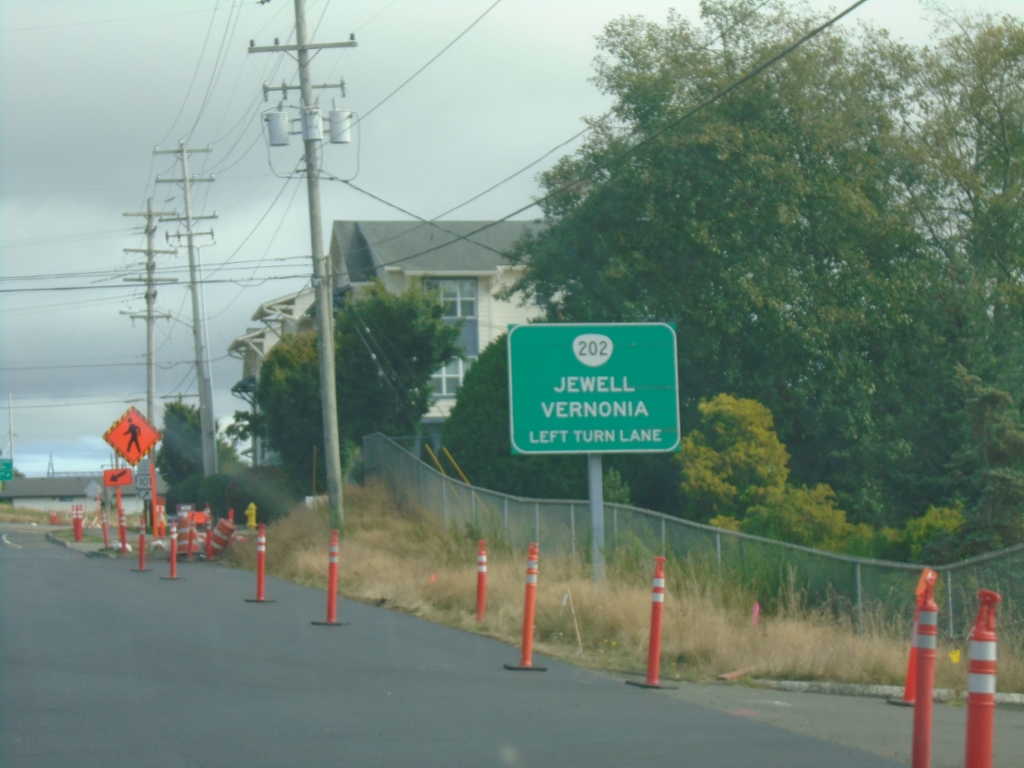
(467,270)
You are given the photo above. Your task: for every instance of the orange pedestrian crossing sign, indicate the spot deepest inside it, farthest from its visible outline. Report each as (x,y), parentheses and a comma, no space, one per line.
(132,436)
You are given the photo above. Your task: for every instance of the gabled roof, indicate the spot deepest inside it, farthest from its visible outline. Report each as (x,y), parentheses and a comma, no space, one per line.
(370,247)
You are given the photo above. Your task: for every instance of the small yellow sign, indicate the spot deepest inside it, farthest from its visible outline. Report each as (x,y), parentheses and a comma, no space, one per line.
(954,656)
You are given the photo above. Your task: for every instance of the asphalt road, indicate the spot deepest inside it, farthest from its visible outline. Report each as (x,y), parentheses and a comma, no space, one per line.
(100,666)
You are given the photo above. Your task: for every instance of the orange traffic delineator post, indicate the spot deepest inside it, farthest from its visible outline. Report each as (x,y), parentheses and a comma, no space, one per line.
(927,637)
(122,525)
(910,684)
(481,580)
(174,551)
(332,586)
(209,531)
(529,611)
(261,566)
(77,521)
(142,547)
(981,684)
(654,645)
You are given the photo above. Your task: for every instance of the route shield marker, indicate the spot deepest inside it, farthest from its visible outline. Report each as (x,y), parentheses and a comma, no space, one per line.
(132,436)
(115,477)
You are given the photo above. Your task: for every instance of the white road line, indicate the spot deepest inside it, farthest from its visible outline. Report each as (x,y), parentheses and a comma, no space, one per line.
(9,543)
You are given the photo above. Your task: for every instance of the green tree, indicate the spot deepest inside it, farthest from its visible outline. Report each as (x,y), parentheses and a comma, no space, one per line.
(734,459)
(796,231)
(387,347)
(990,468)
(180,453)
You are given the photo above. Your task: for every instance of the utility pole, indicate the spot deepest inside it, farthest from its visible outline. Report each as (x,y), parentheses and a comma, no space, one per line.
(207,422)
(10,427)
(150,315)
(322,280)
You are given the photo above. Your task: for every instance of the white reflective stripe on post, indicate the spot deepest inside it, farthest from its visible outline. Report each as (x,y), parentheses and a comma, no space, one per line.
(481,558)
(531,564)
(260,548)
(983,650)
(333,560)
(659,583)
(481,569)
(531,578)
(985,684)
(930,618)
(657,597)
(925,642)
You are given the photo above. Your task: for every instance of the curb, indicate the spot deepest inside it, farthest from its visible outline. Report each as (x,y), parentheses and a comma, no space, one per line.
(942,695)
(60,542)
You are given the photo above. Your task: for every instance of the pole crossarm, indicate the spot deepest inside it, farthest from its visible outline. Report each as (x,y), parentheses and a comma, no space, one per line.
(150,250)
(304,47)
(284,88)
(174,217)
(190,180)
(186,150)
(155,213)
(147,316)
(190,234)
(150,280)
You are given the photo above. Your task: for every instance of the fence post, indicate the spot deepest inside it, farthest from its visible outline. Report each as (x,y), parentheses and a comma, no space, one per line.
(444,503)
(572,529)
(949,599)
(860,603)
(472,504)
(663,537)
(504,519)
(718,551)
(536,521)
(615,527)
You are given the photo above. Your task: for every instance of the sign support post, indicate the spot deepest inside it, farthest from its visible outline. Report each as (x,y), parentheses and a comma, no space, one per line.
(595,478)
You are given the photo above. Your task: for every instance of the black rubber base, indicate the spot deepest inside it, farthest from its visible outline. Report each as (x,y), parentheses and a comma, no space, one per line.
(254,600)
(173,578)
(899,703)
(520,668)
(639,684)
(141,570)
(332,623)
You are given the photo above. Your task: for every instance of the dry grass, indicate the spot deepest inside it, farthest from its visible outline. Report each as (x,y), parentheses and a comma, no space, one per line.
(411,563)
(11,514)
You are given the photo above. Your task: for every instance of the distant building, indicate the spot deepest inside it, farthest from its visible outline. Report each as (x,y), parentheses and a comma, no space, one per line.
(58,493)
(467,270)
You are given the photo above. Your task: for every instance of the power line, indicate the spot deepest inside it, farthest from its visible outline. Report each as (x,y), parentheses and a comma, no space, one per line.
(438,55)
(250,282)
(106,21)
(195,74)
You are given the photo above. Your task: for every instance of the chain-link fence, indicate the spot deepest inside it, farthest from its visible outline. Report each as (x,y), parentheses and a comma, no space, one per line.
(856,587)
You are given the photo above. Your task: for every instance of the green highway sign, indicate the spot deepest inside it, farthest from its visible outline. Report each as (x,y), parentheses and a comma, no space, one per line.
(593,388)
(6,469)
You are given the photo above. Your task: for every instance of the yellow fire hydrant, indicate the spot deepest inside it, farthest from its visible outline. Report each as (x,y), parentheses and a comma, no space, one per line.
(250,516)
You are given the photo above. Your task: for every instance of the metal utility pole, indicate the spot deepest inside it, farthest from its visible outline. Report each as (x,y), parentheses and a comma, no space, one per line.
(321,277)
(207,422)
(150,315)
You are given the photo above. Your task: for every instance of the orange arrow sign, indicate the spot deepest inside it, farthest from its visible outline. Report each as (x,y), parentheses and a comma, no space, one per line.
(132,436)
(113,477)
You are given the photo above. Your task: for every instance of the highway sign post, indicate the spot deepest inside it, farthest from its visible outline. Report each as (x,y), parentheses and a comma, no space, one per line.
(593,389)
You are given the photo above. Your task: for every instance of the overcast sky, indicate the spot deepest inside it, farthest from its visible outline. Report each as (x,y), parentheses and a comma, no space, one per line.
(90,87)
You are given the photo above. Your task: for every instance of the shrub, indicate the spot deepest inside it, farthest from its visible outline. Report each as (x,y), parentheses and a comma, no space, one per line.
(266,487)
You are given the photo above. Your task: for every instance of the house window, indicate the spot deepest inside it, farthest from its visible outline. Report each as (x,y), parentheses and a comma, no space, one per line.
(459,301)
(446,382)
(458,297)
